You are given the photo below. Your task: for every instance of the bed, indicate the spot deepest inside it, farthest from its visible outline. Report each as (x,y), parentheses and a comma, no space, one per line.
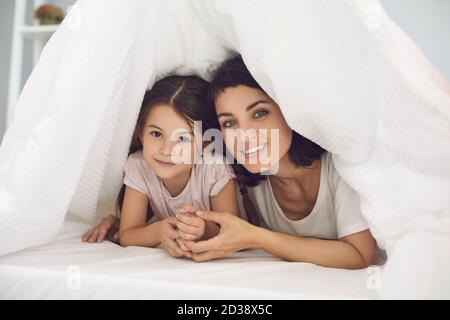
(67,268)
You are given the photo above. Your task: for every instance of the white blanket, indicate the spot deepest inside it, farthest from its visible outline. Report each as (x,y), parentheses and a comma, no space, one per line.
(344,75)
(67,268)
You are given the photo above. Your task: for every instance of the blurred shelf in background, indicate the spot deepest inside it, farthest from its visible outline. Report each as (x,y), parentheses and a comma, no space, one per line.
(38,34)
(38,31)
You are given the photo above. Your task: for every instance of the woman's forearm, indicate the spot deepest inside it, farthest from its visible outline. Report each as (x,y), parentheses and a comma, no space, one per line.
(147,236)
(327,253)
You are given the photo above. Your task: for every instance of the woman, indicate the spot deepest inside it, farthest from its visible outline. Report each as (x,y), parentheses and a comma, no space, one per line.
(310,214)
(306,211)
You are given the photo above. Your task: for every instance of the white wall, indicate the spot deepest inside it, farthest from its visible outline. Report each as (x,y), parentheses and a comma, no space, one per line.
(6,10)
(426,21)
(6,25)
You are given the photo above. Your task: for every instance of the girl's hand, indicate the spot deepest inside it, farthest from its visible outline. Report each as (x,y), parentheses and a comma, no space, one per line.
(190,227)
(235,234)
(99,232)
(170,239)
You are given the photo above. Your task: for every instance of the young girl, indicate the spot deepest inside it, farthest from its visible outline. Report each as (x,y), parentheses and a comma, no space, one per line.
(162,179)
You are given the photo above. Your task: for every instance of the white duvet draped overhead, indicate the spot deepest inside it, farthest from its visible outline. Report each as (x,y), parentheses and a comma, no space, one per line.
(344,75)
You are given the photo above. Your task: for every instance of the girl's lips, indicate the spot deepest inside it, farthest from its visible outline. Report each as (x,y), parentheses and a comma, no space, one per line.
(165,164)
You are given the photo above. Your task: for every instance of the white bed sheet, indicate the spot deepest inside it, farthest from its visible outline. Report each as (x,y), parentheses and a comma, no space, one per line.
(66,268)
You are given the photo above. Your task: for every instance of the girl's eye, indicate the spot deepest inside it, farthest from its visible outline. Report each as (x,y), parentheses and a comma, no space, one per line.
(260,113)
(228,124)
(184,139)
(156,134)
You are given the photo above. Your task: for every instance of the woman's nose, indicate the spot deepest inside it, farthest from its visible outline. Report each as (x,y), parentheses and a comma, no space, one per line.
(247,135)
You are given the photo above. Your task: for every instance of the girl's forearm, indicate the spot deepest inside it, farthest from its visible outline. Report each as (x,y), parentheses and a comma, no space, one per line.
(147,236)
(327,253)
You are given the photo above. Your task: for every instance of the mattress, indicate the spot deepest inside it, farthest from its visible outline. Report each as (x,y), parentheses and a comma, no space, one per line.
(67,268)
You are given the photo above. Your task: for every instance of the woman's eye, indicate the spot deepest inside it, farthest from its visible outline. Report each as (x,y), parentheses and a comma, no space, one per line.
(156,134)
(228,124)
(260,113)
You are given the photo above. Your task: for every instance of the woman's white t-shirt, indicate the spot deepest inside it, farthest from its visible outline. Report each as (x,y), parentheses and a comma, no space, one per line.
(336,213)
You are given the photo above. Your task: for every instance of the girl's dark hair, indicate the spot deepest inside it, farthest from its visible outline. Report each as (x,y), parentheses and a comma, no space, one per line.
(188,95)
(232,73)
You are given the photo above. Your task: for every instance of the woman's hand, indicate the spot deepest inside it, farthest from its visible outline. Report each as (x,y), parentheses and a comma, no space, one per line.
(190,226)
(235,234)
(169,238)
(99,232)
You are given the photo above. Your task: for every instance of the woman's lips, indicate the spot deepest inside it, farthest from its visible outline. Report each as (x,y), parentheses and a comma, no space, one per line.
(254,151)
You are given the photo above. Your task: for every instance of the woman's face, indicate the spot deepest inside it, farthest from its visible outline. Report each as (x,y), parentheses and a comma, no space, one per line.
(253,127)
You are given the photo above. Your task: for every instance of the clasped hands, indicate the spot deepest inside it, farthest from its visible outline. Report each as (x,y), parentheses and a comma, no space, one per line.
(180,231)
(185,235)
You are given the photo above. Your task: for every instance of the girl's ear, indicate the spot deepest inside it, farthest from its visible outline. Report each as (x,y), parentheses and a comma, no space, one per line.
(136,144)
(139,136)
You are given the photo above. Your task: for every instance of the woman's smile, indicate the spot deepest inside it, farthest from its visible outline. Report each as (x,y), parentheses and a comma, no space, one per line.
(256,151)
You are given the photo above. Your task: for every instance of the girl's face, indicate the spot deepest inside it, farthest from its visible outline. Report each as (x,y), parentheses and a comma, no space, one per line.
(168,142)
(264,136)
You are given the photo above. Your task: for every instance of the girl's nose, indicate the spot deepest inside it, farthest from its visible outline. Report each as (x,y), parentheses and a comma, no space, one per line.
(166,148)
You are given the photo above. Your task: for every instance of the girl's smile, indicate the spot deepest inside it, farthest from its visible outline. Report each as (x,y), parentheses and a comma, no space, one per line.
(165,163)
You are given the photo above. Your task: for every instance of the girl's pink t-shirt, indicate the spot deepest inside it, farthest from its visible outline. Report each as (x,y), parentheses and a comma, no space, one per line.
(206,181)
